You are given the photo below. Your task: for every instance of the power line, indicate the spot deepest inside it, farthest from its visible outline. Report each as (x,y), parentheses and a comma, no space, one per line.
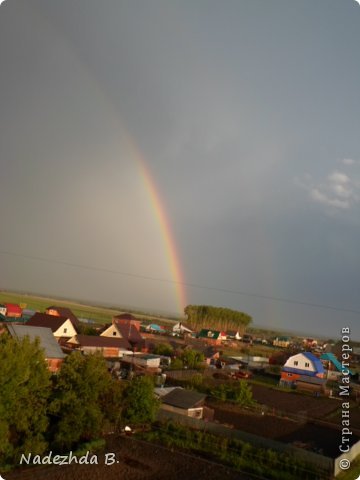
(185,284)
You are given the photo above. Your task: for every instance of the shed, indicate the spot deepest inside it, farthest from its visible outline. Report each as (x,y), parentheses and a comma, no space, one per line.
(146,360)
(185,402)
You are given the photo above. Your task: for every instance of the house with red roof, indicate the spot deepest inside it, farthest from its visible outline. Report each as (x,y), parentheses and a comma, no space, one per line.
(60,326)
(126,319)
(125,330)
(63,312)
(108,347)
(13,310)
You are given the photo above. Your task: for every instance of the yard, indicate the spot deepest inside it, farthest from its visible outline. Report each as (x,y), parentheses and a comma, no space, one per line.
(310,436)
(293,402)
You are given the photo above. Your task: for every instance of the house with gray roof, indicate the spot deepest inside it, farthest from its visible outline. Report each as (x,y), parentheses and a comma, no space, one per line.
(185,402)
(54,356)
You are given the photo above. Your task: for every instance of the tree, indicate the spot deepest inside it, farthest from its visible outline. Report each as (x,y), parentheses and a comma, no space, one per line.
(206,316)
(24,392)
(164,349)
(176,364)
(140,405)
(79,410)
(192,358)
(242,394)
(239,393)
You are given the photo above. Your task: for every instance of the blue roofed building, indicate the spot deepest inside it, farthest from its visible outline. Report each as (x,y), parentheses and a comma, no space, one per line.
(304,364)
(333,367)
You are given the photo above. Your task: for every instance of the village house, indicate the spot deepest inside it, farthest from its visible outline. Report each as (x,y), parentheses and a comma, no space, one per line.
(52,351)
(282,342)
(109,347)
(63,312)
(181,329)
(126,330)
(27,313)
(304,365)
(60,326)
(154,328)
(3,310)
(233,335)
(12,310)
(211,353)
(212,337)
(126,319)
(310,343)
(185,402)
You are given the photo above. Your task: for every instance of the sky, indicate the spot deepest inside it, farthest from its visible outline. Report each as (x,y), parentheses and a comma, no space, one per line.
(159,153)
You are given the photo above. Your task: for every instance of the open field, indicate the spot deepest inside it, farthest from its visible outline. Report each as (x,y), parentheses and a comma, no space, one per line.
(137,460)
(100,315)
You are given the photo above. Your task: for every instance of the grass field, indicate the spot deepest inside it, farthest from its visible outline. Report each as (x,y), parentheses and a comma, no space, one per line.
(100,315)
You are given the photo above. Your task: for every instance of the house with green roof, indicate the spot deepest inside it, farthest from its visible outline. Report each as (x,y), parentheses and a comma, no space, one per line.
(212,337)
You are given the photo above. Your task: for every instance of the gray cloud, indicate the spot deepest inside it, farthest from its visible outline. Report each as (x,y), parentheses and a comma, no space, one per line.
(227,102)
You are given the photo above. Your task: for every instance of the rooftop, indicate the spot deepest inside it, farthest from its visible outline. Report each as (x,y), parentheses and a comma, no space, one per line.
(45,320)
(47,340)
(181,398)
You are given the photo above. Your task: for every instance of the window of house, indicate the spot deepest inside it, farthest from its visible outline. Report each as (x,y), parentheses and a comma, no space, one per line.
(289,374)
(307,364)
(114,334)
(296,363)
(65,330)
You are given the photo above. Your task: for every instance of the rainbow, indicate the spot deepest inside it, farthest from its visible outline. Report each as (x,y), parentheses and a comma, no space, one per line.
(162,220)
(138,157)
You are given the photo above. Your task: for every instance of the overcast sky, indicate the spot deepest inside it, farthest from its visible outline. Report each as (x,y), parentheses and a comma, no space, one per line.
(246,113)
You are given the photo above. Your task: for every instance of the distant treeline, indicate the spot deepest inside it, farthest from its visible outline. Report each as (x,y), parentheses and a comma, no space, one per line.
(217,318)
